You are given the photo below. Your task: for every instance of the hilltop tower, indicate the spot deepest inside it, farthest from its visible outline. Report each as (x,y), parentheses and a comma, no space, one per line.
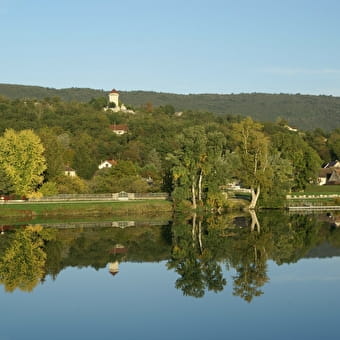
(114,98)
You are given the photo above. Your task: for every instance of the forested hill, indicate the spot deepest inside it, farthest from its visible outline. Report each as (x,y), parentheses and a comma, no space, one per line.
(303,111)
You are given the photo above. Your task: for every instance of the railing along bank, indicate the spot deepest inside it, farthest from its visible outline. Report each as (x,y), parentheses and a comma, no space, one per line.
(120,196)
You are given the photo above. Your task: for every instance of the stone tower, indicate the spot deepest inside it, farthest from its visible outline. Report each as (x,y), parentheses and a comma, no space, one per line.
(114,98)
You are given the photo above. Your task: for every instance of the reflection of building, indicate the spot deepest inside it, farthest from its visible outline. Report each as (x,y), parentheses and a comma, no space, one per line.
(118,249)
(123,224)
(114,268)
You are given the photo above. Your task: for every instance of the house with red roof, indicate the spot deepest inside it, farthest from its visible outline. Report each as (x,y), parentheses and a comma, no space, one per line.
(108,163)
(119,129)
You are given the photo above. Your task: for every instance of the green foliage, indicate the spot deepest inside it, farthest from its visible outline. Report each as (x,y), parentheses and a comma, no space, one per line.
(22,160)
(57,151)
(71,185)
(78,134)
(49,189)
(121,177)
(304,159)
(196,164)
(334,143)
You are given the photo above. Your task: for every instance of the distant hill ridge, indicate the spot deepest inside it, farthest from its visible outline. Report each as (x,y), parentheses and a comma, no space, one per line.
(303,111)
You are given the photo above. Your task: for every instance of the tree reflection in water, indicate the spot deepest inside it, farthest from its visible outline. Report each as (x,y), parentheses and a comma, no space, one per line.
(22,264)
(200,250)
(197,248)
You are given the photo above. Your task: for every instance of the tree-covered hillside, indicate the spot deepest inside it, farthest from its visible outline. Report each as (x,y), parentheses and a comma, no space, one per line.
(303,111)
(192,155)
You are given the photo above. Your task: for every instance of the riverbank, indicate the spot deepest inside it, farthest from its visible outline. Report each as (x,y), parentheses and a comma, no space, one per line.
(30,210)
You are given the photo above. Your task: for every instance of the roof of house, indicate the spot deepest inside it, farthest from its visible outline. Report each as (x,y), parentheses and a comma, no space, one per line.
(333,164)
(327,171)
(119,127)
(111,161)
(68,168)
(114,91)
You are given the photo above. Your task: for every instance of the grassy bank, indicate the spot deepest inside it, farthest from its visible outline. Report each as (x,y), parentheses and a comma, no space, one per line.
(28,211)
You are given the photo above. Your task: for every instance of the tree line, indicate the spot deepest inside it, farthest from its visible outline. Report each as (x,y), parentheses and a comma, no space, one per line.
(191,155)
(306,112)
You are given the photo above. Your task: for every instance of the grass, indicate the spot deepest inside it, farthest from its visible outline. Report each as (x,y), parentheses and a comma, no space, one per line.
(318,190)
(28,211)
(322,189)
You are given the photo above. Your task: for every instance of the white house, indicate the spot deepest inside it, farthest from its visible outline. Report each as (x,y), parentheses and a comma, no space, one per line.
(68,171)
(107,164)
(330,173)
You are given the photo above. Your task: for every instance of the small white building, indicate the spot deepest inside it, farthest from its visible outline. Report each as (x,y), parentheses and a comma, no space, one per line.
(107,164)
(68,171)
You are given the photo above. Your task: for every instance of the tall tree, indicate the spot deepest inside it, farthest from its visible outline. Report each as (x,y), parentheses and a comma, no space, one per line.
(21,157)
(196,163)
(253,148)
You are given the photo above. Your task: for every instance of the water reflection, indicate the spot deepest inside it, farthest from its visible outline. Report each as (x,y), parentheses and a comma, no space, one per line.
(197,248)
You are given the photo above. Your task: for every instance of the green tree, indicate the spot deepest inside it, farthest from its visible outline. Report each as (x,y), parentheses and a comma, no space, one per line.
(71,185)
(121,177)
(196,163)
(304,159)
(253,148)
(55,152)
(22,159)
(334,143)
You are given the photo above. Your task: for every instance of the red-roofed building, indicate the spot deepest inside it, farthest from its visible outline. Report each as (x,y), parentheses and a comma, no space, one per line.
(119,129)
(107,164)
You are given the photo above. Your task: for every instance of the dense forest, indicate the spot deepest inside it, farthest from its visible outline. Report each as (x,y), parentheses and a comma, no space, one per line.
(305,112)
(191,155)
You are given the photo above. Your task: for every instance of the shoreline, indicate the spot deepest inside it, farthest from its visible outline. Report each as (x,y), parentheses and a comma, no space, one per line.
(29,210)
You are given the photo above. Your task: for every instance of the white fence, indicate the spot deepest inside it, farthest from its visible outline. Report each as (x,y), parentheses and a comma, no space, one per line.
(119,196)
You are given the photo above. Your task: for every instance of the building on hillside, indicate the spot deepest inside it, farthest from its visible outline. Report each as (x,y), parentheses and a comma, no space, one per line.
(329,176)
(114,98)
(114,103)
(68,171)
(119,129)
(107,164)
(290,128)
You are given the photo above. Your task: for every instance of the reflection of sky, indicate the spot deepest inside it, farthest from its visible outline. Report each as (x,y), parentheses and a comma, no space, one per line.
(301,301)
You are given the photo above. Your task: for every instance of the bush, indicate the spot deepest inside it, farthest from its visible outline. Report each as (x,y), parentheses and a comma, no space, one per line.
(49,189)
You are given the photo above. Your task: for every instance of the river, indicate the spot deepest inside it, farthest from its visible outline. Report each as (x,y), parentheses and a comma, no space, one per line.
(195,277)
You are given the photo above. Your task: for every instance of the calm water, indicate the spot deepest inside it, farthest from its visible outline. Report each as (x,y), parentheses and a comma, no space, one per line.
(197,278)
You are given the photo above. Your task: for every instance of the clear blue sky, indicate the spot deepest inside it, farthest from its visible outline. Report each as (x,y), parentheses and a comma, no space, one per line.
(181,46)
